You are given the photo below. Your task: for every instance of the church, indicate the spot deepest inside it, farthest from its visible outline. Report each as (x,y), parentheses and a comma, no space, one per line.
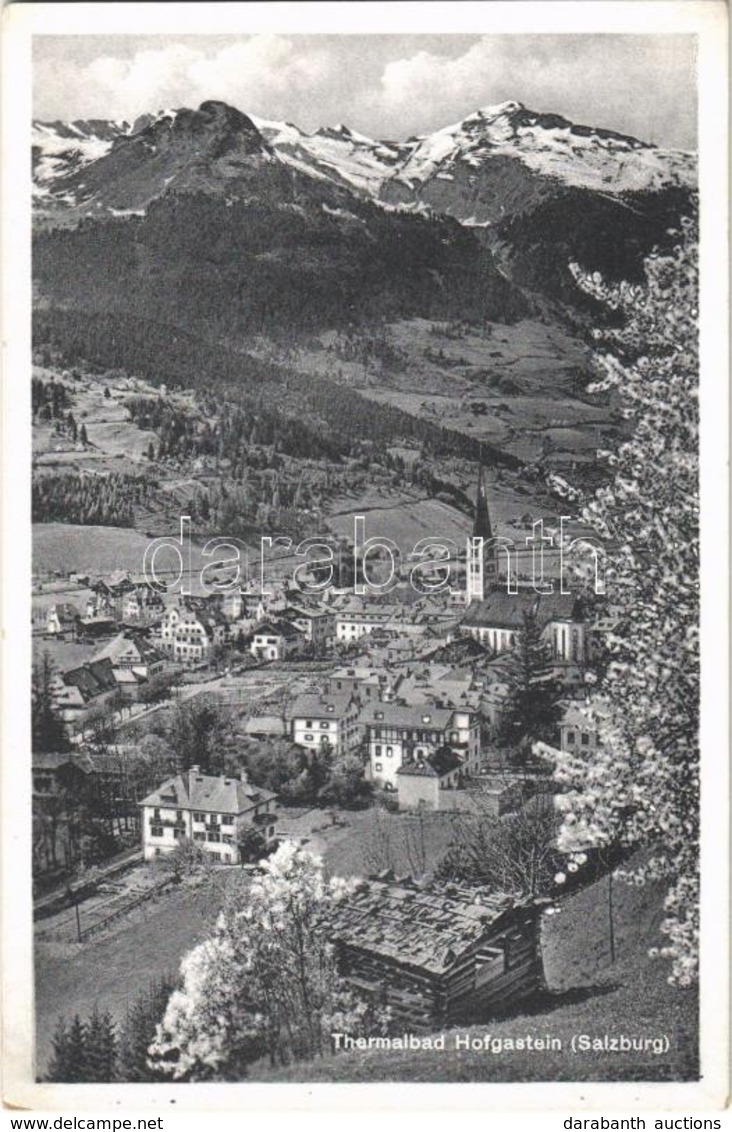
(495,615)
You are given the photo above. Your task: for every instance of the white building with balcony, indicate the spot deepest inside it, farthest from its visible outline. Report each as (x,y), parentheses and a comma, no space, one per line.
(210,810)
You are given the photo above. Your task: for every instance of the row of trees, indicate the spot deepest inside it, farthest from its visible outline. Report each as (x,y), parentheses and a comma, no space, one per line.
(49,399)
(94,1049)
(73,497)
(641,788)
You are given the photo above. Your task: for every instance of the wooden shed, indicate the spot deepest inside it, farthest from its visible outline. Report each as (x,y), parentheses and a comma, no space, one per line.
(439,954)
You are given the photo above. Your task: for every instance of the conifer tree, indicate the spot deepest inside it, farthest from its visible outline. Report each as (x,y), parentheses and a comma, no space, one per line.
(138,1031)
(48,731)
(100,1047)
(68,1063)
(534,705)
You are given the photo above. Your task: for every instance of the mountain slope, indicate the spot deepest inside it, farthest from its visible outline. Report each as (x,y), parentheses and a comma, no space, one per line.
(532,191)
(195,220)
(503,159)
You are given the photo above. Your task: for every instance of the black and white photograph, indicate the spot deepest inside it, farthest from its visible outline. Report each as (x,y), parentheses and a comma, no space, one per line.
(359,729)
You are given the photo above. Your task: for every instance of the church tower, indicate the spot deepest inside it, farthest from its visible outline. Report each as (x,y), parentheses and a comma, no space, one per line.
(481,564)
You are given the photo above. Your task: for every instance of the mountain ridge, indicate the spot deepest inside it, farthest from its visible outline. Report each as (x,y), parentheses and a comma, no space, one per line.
(538,147)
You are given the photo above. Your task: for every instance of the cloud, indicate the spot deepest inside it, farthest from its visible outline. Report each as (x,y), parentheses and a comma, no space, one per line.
(638,84)
(387,86)
(256,74)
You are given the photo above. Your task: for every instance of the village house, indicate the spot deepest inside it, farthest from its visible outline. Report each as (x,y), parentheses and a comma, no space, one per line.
(443,685)
(578,730)
(84,688)
(316,626)
(189,633)
(422,783)
(210,810)
(365,684)
(93,629)
(55,773)
(399,733)
(109,594)
(134,659)
(141,605)
(360,619)
(325,720)
(132,650)
(438,956)
(264,727)
(276,640)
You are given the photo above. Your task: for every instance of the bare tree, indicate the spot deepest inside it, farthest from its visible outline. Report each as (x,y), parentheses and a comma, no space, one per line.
(516,853)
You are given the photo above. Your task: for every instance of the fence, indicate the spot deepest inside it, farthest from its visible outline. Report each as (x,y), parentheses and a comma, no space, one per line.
(84,920)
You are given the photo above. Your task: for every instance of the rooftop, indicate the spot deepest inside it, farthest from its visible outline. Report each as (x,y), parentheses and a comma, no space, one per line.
(416,925)
(437,765)
(312,705)
(209,793)
(505,610)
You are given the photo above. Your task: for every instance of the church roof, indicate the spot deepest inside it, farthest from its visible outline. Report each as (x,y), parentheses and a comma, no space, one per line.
(503,610)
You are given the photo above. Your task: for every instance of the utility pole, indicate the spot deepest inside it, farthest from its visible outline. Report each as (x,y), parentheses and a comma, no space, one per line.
(610,915)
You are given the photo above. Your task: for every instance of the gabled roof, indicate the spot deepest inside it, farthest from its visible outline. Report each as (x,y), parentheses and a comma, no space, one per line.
(422,927)
(311,705)
(265,725)
(437,765)
(407,715)
(125,643)
(209,793)
(276,629)
(506,611)
(91,679)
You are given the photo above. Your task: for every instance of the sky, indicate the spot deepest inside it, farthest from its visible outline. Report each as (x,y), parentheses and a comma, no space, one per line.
(386,86)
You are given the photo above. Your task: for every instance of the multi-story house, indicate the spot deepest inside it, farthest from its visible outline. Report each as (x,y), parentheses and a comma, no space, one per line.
(141,605)
(276,640)
(189,634)
(132,650)
(327,720)
(317,626)
(399,733)
(578,728)
(210,810)
(358,620)
(79,690)
(109,594)
(366,684)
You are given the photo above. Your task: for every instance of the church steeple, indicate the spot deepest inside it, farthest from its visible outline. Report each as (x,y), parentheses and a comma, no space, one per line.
(482,526)
(482,567)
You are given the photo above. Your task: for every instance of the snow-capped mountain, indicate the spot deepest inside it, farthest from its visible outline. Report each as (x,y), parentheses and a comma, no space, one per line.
(336,154)
(535,189)
(121,169)
(62,148)
(481,170)
(503,159)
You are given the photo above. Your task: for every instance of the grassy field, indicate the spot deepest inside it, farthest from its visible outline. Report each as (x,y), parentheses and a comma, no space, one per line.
(67,547)
(515,384)
(587,994)
(112,970)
